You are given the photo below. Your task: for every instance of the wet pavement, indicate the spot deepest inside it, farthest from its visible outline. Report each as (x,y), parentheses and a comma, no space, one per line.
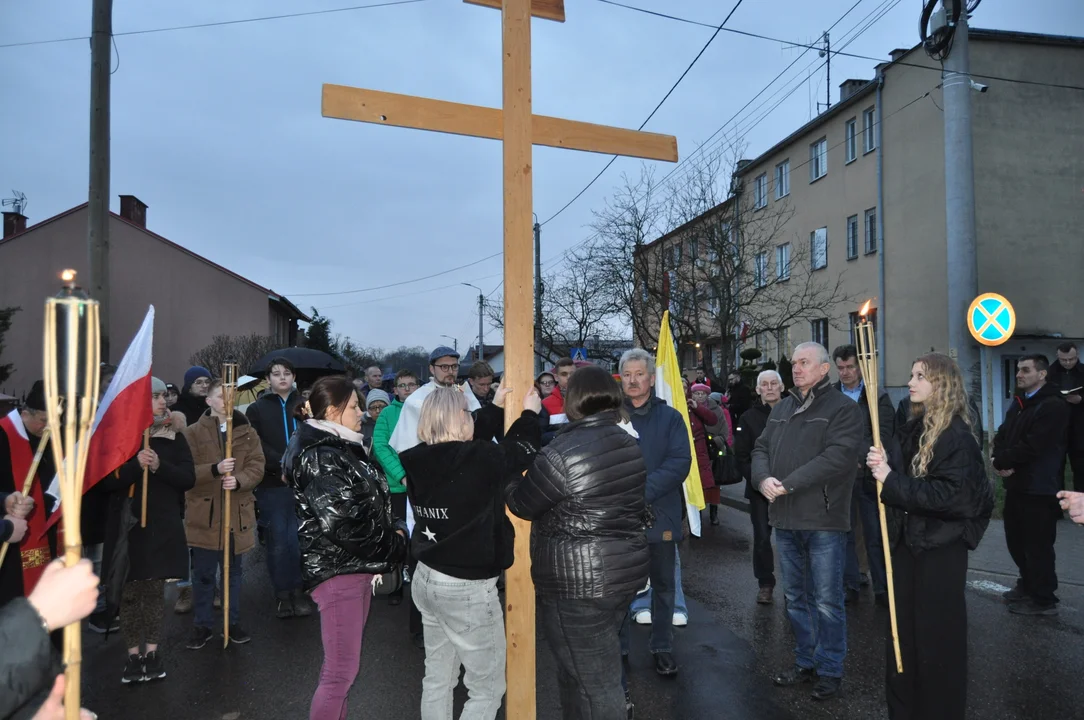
(1020,667)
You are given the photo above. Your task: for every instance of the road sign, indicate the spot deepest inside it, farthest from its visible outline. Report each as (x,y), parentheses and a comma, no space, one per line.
(579,354)
(991,319)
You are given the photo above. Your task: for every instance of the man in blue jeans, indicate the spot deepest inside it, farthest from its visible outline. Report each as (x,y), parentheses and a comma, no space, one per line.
(804,464)
(864,496)
(664,442)
(272,417)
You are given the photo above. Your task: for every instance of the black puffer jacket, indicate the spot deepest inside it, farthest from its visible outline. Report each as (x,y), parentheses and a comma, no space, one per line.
(585,496)
(28,663)
(345,521)
(952,502)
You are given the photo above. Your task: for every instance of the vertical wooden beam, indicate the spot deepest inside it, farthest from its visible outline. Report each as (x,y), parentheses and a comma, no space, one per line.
(518,333)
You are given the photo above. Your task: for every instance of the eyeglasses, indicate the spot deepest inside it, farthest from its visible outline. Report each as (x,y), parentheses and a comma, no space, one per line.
(447,367)
(201,381)
(546,383)
(407,386)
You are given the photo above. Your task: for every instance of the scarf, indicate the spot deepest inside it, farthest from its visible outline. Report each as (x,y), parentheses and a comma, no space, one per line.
(166,426)
(335,428)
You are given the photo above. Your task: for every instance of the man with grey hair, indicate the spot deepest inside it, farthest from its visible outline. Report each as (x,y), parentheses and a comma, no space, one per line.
(664,442)
(750,426)
(804,464)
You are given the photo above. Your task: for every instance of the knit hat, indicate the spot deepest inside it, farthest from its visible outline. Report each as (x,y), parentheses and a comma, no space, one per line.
(376,394)
(700,387)
(157,386)
(194,373)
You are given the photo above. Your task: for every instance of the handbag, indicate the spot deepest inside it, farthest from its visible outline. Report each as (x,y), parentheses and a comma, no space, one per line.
(389,582)
(724,468)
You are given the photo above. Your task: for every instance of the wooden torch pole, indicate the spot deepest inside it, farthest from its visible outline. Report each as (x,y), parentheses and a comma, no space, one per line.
(29,481)
(229,383)
(146,446)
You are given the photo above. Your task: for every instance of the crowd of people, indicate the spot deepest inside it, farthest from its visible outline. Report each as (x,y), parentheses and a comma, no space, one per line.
(357,492)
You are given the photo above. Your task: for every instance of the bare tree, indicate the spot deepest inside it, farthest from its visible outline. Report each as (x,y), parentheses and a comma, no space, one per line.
(244,349)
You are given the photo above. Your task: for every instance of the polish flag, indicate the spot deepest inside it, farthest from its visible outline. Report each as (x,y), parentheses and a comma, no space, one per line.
(123,414)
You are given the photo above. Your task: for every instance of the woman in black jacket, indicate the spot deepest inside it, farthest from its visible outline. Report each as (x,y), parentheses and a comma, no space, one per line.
(462,541)
(347,533)
(155,553)
(589,556)
(938,504)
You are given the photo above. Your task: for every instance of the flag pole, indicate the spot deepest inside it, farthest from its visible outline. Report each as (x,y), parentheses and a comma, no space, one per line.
(146,446)
(229,385)
(29,481)
(867,362)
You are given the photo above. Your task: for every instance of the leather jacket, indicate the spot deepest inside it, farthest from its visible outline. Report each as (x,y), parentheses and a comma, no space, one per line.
(585,497)
(345,521)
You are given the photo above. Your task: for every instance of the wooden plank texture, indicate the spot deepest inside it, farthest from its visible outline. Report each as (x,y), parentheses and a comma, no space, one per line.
(518,334)
(545,9)
(383,108)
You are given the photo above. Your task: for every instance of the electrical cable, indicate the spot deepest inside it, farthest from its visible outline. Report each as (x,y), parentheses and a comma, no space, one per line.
(397,284)
(665,97)
(220,23)
(938,44)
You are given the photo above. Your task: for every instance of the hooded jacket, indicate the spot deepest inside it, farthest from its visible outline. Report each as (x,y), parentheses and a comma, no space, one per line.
(204,503)
(954,500)
(273,420)
(457,492)
(584,496)
(811,444)
(344,516)
(1031,442)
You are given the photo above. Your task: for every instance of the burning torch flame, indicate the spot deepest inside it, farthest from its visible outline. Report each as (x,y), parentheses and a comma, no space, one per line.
(68,276)
(865,308)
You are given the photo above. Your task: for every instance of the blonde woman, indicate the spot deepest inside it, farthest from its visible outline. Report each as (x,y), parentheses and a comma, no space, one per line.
(462,540)
(939,503)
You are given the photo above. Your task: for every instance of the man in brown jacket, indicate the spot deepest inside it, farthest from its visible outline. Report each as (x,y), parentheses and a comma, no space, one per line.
(216,475)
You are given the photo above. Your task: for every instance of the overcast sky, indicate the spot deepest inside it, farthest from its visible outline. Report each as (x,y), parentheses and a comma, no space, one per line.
(219,131)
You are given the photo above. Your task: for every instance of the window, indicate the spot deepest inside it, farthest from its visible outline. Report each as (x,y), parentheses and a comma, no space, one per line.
(818,248)
(782,179)
(856,318)
(694,250)
(818,159)
(871,231)
(869,126)
(677,254)
(760,191)
(782,262)
(820,331)
(852,237)
(850,141)
(713,301)
(760,270)
(784,342)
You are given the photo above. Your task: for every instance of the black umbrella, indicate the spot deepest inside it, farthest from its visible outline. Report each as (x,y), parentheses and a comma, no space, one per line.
(315,361)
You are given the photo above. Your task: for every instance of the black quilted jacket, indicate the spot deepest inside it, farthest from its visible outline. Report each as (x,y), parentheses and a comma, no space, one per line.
(585,497)
(345,522)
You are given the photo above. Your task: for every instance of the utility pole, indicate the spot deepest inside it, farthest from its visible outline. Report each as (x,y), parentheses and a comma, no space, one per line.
(101,37)
(537,298)
(961,264)
(481,311)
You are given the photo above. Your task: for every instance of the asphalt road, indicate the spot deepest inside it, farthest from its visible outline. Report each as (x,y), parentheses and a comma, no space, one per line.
(1020,667)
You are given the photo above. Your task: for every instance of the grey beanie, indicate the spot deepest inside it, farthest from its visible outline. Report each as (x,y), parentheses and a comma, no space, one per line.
(157,386)
(376,394)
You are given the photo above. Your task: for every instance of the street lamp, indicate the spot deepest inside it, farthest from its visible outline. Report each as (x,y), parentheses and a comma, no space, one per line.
(481,308)
(455,342)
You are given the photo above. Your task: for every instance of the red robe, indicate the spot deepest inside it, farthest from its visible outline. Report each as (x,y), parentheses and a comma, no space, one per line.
(33,555)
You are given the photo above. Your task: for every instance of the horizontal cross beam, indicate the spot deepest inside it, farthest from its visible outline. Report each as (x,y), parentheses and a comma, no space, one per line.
(384,108)
(545,9)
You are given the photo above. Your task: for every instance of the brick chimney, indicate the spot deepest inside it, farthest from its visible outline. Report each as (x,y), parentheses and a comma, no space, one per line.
(14,223)
(850,87)
(133,210)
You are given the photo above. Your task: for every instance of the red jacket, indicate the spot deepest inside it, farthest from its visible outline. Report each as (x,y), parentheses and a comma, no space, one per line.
(554,403)
(698,417)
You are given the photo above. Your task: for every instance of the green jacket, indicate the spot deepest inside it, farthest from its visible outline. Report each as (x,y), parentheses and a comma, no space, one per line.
(385,455)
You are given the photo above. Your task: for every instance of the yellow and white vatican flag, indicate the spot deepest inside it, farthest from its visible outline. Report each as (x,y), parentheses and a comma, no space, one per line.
(668,388)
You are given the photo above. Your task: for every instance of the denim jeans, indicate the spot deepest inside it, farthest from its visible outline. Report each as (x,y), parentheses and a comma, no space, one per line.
(583,635)
(663,574)
(205,564)
(344,602)
(643,600)
(280,529)
(463,624)
(811,562)
(864,509)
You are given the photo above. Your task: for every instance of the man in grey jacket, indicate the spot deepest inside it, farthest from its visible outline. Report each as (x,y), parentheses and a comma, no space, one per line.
(804,463)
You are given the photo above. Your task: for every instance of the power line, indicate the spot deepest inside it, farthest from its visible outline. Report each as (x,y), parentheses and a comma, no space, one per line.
(665,97)
(220,23)
(397,284)
(409,294)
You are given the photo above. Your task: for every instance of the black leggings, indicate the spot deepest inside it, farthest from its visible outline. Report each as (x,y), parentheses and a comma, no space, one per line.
(141,612)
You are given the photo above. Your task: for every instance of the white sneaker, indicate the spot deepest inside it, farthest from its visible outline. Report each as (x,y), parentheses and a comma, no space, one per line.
(680,619)
(643,617)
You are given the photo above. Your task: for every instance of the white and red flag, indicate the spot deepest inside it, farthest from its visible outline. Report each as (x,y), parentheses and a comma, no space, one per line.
(123,414)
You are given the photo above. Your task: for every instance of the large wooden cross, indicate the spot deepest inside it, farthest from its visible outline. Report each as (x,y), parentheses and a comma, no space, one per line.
(519,129)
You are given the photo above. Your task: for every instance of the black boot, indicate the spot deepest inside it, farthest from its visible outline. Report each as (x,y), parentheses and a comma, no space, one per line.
(713,513)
